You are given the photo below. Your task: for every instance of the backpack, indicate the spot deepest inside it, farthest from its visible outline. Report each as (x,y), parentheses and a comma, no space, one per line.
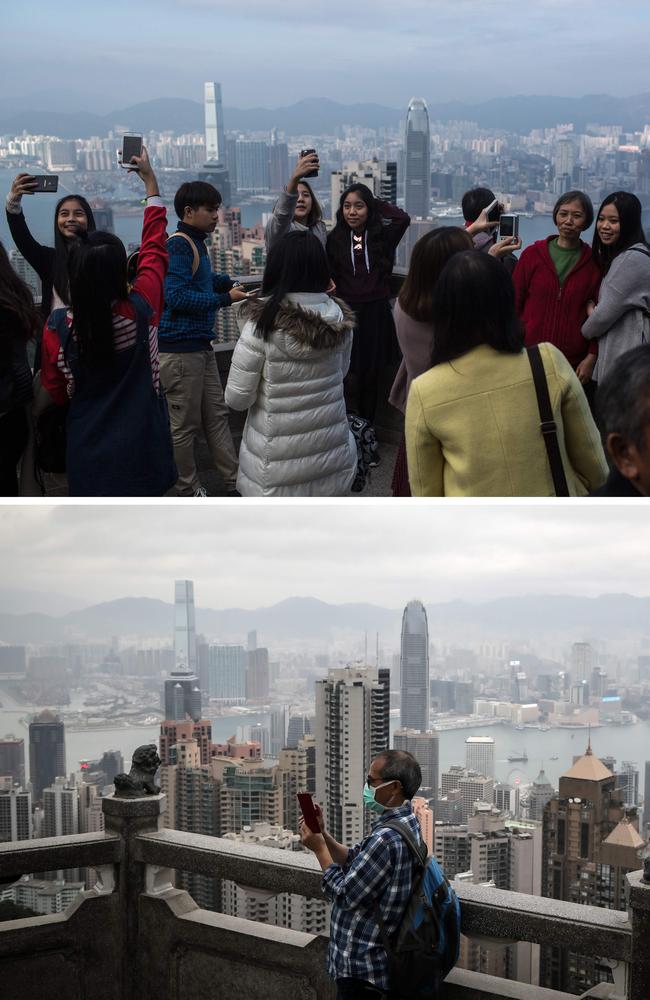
(427,942)
(134,256)
(366,442)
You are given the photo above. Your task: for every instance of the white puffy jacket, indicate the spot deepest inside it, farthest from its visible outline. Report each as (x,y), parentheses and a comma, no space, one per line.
(296,441)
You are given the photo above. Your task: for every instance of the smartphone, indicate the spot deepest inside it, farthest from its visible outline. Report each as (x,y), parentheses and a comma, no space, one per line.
(131,146)
(309,813)
(252,292)
(48,183)
(509,226)
(493,210)
(310,173)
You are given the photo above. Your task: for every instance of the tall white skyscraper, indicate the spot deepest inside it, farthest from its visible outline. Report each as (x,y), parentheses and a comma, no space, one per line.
(184,626)
(352,716)
(215,140)
(479,754)
(417,160)
(414,668)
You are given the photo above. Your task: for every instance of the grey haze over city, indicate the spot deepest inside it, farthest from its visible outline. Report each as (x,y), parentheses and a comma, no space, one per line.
(257,556)
(73,58)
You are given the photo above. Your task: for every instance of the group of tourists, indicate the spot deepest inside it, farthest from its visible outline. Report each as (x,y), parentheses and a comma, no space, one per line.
(497,358)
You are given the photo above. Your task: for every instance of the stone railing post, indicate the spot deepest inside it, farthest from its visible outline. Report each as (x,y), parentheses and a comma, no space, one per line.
(128,818)
(639,914)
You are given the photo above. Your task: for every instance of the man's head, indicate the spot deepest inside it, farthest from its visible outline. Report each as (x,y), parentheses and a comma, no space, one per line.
(395,776)
(474,201)
(623,405)
(197,204)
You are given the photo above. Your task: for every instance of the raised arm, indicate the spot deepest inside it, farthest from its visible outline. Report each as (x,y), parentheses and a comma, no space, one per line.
(396,222)
(37,255)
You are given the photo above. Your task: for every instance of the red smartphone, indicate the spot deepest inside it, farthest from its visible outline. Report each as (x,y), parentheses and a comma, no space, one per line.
(309,813)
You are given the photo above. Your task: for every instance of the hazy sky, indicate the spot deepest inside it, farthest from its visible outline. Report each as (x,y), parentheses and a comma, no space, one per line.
(250,555)
(272,52)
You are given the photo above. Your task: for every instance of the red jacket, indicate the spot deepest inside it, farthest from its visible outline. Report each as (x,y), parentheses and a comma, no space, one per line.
(550,312)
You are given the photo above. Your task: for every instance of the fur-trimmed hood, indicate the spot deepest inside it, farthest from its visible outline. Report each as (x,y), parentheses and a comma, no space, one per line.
(319,322)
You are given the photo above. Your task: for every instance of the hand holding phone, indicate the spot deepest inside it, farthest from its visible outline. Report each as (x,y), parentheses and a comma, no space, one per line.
(509,226)
(313,162)
(310,811)
(131,146)
(47,183)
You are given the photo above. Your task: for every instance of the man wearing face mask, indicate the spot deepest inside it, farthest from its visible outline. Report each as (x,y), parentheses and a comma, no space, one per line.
(378,871)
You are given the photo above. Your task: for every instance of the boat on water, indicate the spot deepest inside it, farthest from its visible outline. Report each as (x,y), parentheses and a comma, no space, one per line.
(517,756)
(554,756)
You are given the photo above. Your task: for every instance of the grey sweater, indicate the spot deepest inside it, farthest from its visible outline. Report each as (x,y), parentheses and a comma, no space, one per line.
(621,320)
(282,221)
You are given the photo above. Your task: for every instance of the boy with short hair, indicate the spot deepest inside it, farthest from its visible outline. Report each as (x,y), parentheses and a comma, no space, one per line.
(188,367)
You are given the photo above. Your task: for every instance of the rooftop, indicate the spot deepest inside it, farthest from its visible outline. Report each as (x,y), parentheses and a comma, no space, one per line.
(589,768)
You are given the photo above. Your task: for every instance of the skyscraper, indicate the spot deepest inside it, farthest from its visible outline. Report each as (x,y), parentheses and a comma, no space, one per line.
(414,668)
(417,188)
(15,813)
(577,866)
(184,626)
(425,749)
(182,697)
(46,752)
(12,759)
(479,754)
(352,717)
(226,674)
(215,140)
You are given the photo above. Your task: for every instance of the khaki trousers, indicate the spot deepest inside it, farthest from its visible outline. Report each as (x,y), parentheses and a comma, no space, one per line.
(195,401)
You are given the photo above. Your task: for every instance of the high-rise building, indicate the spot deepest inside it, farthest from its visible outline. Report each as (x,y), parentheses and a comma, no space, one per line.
(173,732)
(215,140)
(26,272)
(582,662)
(417,160)
(425,749)
(12,759)
(352,727)
(46,752)
(577,866)
(252,165)
(299,726)
(226,674)
(13,659)
(540,793)
(278,163)
(414,668)
(277,729)
(479,754)
(292,773)
(628,782)
(646,796)
(473,787)
(182,697)
(257,674)
(184,626)
(15,813)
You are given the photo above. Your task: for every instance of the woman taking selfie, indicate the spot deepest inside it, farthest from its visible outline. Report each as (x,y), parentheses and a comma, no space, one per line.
(361,250)
(297,207)
(102,354)
(19,323)
(287,370)
(72,216)
(472,420)
(621,320)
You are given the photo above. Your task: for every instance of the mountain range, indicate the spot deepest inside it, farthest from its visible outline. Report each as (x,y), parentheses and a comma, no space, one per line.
(321,116)
(306,618)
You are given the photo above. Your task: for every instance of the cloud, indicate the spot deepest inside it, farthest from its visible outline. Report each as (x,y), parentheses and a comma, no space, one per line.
(251,555)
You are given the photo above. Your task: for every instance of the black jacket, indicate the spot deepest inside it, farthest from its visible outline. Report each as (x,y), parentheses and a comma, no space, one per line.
(616,485)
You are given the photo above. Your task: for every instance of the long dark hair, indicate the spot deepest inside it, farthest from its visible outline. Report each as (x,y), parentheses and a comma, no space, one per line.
(62,246)
(338,241)
(16,298)
(315,212)
(474,303)
(296,263)
(430,254)
(97,274)
(629,211)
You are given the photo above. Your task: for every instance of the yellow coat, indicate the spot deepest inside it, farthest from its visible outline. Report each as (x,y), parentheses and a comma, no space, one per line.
(473,428)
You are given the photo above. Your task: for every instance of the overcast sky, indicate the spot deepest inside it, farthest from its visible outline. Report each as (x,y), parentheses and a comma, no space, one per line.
(273,52)
(251,556)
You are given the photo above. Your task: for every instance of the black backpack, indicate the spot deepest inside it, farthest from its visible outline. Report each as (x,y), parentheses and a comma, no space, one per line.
(366,442)
(427,942)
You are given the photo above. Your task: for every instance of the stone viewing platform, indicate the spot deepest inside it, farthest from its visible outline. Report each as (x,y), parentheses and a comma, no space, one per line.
(133,936)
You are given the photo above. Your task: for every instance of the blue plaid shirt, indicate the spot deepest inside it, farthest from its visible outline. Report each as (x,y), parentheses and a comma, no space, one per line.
(378,870)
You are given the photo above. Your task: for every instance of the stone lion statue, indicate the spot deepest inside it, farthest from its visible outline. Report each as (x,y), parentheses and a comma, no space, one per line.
(139,781)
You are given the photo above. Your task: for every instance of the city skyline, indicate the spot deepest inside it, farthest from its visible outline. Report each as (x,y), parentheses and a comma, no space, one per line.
(473,552)
(417,33)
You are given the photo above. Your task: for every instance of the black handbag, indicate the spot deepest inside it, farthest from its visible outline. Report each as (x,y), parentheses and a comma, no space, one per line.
(548,425)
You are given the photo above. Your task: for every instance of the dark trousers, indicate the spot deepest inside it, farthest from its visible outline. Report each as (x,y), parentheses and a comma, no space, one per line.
(358,989)
(14,433)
